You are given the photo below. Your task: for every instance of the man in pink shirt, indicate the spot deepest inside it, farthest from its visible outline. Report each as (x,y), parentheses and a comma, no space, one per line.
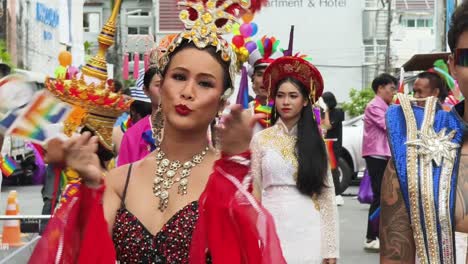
(375,148)
(138,141)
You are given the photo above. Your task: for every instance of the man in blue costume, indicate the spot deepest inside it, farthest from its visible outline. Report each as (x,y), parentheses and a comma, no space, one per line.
(425,187)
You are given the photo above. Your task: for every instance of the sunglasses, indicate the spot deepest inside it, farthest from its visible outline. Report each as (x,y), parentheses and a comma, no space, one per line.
(461,57)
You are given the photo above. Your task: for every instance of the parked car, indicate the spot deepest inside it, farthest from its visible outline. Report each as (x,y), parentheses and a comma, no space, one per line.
(351,164)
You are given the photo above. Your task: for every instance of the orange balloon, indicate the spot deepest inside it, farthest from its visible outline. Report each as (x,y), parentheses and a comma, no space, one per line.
(248,17)
(65,58)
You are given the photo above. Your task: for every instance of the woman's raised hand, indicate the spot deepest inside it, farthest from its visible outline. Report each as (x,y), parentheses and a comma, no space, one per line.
(236,130)
(80,155)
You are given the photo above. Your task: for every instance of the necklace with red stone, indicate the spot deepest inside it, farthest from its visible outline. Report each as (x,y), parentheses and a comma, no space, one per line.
(170,172)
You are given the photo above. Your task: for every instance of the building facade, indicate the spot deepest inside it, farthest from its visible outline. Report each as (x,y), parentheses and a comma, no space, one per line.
(37,30)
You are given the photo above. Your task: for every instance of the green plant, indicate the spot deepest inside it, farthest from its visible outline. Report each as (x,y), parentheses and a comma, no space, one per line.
(4,55)
(358,101)
(87,47)
(129,83)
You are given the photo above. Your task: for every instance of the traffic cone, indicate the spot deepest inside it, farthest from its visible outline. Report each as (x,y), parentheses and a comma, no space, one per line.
(11,228)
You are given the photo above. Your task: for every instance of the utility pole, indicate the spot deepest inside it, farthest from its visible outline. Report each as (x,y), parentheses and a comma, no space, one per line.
(439,25)
(389,33)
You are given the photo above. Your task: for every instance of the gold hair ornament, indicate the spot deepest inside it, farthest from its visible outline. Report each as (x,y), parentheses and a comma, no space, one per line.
(205,22)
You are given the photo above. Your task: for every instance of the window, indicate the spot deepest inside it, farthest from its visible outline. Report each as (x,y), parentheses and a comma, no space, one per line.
(92,22)
(420,22)
(132,30)
(429,23)
(138,12)
(417,22)
(138,30)
(131,56)
(143,31)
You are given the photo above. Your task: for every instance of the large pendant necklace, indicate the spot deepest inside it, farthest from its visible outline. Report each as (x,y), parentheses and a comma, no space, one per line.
(167,173)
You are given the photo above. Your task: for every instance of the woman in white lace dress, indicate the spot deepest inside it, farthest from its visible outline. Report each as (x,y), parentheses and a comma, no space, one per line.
(290,167)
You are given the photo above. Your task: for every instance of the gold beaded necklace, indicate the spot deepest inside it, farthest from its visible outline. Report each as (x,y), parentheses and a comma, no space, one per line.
(167,173)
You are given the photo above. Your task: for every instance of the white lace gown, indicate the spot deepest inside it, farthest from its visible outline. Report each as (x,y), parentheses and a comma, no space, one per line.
(307,226)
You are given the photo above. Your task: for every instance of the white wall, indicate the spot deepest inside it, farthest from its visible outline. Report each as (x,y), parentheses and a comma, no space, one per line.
(328,31)
(412,41)
(43,40)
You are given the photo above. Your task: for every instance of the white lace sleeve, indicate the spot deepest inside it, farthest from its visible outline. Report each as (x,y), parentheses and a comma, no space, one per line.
(329,220)
(256,164)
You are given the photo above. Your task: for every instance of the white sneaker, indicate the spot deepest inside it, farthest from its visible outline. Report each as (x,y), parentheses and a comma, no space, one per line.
(339,200)
(373,245)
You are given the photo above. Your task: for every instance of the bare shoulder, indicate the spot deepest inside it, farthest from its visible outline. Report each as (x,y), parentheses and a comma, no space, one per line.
(461,206)
(116,179)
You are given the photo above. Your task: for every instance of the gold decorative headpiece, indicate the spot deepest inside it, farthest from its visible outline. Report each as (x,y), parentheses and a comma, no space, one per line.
(91,91)
(205,21)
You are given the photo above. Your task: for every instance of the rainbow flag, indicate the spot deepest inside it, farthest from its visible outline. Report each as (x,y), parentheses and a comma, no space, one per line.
(8,166)
(243,95)
(125,125)
(331,154)
(43,111)
(263,109)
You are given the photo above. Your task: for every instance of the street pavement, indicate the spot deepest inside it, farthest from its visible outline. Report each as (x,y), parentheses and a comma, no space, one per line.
(352,214)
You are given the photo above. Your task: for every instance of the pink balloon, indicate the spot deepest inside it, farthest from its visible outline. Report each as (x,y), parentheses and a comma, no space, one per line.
(246,30)
(72,72)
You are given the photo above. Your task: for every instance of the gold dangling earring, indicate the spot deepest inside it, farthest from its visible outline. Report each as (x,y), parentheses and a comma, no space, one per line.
(216,141)
(158,125)
(312,92)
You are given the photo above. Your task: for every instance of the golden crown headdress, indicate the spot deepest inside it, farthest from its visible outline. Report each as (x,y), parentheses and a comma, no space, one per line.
(205,21)
(91,91)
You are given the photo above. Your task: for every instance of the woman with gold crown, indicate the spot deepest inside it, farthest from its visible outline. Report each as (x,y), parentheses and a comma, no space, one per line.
(290,167)
(184,203)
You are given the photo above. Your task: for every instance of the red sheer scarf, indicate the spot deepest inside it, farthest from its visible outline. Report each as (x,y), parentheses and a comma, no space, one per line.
(78,231)
(232,227)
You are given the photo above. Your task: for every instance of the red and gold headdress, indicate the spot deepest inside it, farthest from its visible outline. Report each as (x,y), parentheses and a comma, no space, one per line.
(298,68)
(91,92)
(206,20)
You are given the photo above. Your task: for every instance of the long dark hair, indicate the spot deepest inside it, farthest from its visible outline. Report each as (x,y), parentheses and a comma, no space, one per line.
(148,77)
(310,147)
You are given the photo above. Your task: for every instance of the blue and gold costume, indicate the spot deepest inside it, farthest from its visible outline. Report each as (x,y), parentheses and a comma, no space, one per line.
(426,153)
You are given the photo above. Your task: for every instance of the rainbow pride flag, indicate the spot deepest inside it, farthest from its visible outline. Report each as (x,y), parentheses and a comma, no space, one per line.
(264,109)
(331,154)
(8,165)
(43,111)
(126,124)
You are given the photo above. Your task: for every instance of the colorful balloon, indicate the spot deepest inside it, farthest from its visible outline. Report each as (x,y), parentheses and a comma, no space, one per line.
(235,29)
(60,72)
(65,58)
(254,28)
(238,41)
(246,30)
(251,46)
(72,71)
(247,17)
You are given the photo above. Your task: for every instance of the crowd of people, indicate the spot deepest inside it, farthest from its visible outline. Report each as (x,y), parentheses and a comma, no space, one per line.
(172,174)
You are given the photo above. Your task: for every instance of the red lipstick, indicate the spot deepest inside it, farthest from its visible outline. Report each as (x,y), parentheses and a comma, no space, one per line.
(285,109)
(182,109)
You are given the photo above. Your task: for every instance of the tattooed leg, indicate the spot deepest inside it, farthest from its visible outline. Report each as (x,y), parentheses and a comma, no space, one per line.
(396,236)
